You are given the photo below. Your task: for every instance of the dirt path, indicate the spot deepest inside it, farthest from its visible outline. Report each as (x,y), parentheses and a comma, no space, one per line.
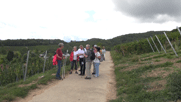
(77,89)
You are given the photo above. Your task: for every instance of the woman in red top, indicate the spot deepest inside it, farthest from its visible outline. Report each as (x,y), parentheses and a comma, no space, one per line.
(59,59)
(74,59)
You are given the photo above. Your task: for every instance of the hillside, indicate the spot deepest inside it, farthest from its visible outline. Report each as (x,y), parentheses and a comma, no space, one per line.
(110,42)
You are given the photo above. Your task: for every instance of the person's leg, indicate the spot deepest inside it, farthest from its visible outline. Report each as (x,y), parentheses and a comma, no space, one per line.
(59,68)
(84,66)
(96,68)
(76,67)
(80,65)
(89,69)
(72,65)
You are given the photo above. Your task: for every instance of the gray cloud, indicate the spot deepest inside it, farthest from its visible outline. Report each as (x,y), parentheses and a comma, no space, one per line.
(157,11)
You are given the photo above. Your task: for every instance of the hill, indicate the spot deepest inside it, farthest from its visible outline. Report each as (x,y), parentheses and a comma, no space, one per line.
(46,44)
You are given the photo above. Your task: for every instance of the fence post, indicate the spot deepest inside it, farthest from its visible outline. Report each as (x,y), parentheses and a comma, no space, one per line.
(161,44)
(150,45)
(154,44)
(170,44)
(45,61)
(26,65)
(179,30)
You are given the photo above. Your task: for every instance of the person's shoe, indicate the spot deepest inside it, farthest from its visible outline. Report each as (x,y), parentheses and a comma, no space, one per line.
(93,73)
(95,76)
(70,72)
(87,78)
(80,74)
(76,72)
(59,78)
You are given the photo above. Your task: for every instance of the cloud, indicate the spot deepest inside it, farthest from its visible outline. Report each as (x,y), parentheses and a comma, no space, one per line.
(78,19)
(158,11)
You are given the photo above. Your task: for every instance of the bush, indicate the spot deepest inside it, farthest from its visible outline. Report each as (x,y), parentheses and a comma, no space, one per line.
(10,55)
(174,86)
(135,59)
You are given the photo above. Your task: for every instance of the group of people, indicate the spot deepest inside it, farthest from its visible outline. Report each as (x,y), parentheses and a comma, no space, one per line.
(85,56)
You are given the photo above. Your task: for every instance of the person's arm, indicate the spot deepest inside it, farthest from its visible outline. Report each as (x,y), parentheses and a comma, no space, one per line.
(59,56)
(98,56)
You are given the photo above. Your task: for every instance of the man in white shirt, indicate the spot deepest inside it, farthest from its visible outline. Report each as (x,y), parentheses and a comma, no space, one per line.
(81,53)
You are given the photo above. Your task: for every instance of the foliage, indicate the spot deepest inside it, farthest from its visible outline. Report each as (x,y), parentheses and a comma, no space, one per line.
(142,46)
(10,55)
(174,86)
(132,87)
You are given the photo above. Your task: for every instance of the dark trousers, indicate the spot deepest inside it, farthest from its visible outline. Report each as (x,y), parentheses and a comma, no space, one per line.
(74,62)
(82,65)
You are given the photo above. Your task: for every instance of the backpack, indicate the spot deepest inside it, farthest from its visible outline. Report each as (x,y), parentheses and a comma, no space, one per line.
(92,55)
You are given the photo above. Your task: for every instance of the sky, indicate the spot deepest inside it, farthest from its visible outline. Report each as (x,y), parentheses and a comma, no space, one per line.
(85,19)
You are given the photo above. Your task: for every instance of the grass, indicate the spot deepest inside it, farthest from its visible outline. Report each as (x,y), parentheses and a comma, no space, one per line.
(179,61)
(131,87)
(12,90)
(157,60)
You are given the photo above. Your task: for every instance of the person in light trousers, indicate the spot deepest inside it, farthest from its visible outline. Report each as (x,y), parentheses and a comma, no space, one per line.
(88,60)
(97,61)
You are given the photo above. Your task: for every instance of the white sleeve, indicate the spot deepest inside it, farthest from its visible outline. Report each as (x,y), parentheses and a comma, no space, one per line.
(98,54)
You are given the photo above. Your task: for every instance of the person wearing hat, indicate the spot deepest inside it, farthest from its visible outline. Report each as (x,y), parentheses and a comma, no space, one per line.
(59,59)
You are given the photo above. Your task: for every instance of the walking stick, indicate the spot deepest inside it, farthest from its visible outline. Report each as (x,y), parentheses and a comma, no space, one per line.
(64,64)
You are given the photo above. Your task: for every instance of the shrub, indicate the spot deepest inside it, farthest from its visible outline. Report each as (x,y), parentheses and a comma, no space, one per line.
(174,86)
(10,55)
(135,59)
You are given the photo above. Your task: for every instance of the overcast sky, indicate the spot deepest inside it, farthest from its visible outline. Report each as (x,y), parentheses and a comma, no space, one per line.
(85,19)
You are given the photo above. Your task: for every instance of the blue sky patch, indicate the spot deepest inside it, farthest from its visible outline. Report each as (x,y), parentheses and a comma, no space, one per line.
(91,13)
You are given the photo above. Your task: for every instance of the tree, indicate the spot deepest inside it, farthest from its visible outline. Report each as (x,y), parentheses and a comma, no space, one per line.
(10,55)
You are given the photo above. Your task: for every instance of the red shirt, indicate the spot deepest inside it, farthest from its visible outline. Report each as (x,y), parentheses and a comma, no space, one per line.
(59,52)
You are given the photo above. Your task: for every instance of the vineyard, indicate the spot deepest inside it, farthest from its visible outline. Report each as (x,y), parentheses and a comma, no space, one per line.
(147,74)
(142,46)
(13,71)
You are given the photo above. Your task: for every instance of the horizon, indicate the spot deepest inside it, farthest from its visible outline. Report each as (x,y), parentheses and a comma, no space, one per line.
(81,20)
(82,40)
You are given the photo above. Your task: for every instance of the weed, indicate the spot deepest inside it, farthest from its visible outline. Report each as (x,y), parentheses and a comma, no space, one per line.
(157,60)
(179,61)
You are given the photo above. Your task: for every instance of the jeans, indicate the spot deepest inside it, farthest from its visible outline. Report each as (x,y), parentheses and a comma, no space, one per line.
(74,62)
(59,68)
(88,69)
(97,69)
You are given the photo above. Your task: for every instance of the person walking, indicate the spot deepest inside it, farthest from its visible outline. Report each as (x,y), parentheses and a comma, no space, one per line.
(88,60)
(59,59)
(94,69)
(104,52)
(74,59)
(97,61)
(82,62)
